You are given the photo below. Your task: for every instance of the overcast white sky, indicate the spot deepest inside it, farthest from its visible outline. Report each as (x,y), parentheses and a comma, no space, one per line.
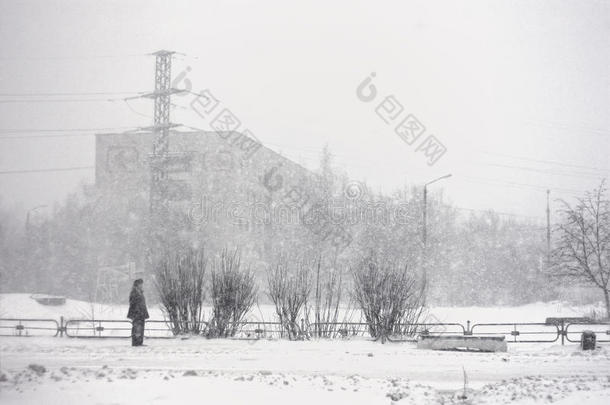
(518,91)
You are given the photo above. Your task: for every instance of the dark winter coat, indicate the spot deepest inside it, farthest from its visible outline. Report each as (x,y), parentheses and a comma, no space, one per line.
(137,305)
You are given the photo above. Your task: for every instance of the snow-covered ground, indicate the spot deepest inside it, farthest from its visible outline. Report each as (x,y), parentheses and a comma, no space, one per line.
(22,306)
(50,370)
(264,372)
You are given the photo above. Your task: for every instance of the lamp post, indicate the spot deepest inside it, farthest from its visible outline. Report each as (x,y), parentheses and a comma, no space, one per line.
(28,235)
(424,234)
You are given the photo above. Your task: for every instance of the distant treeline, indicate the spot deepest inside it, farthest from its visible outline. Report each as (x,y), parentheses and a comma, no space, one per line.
(479,258)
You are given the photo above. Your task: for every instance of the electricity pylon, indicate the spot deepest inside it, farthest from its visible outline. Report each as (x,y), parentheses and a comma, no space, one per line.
(159,201)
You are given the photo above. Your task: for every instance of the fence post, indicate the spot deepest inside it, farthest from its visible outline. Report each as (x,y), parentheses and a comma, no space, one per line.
(468,332)
(61,326)
(563,333)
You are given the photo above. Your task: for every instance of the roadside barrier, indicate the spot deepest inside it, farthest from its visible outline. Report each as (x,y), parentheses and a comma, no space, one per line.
(515,332)
(337,329)
(29,327)
(573,331)
(260,330)
(518,332)
(112,328)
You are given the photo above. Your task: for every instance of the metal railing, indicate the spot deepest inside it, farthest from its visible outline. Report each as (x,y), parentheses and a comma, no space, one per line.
(514,332)
(517,332)
(573,331)
(410,332)
(113,328)
(259,330)
(337,329)
(29,327)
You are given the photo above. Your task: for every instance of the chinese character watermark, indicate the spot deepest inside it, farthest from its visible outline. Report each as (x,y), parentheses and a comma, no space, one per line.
(408,128)
(222,120)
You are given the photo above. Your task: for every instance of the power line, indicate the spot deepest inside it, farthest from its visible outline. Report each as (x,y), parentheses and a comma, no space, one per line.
(56,135)
(44,136)
(493,182)
(71,57)
(477,180)
(569,127)
(362,163)
(496,212)
(30,130)
(59,169)
(98,93)
(133,110)
(56,100)
(550,162)
(548,172)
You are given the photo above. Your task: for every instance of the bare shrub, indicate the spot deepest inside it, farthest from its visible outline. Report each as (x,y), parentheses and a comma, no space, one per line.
(180,280)
(233,294)
(388,296)
(289,288)
(327,298)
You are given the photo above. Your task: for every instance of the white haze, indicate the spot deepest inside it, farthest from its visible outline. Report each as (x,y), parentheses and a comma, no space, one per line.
(499,83)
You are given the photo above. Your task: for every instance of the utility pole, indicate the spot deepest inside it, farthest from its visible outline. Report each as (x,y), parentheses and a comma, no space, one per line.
(30,249)
(425,217)
(424,231)
(548,229)
(425,224)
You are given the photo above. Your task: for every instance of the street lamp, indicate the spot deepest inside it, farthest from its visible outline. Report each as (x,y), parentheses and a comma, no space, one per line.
(28,236)
(426,218)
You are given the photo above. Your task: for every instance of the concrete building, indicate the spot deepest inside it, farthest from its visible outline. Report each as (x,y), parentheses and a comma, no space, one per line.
(223,187)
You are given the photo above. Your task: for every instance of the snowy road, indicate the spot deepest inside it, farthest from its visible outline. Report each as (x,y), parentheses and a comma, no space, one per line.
(112,372)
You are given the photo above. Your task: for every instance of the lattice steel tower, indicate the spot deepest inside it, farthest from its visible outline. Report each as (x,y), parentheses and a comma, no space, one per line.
(163,77)
(159,200)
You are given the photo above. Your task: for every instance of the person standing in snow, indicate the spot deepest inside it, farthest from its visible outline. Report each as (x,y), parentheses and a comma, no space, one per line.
(137,312)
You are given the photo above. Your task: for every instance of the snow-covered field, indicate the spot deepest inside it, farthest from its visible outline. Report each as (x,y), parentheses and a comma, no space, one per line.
(22,306)
(49,370)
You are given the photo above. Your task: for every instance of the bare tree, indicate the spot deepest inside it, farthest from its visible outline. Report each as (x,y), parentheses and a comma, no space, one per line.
(389,297)
(327,298)
(180,283)
(233,294)
(289,283)
(582,252)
